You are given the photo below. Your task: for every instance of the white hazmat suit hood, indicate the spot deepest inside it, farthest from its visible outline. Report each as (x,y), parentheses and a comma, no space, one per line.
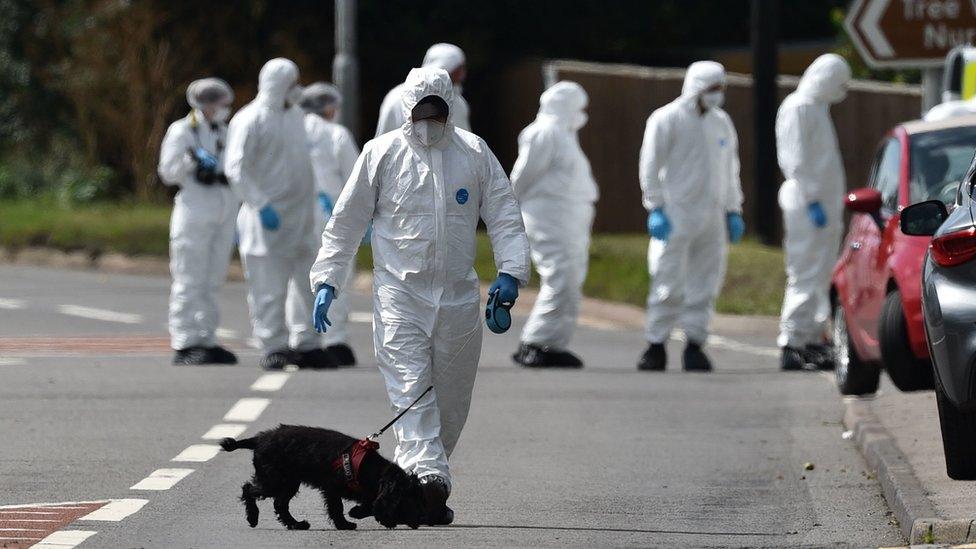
(421,83)
(809,157)
(555,186)
(425,203)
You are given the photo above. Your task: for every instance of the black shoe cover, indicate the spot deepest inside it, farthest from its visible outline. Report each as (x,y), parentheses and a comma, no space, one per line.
(535,356)
(820,357)
(792,359)
(191,356)
(695,360)
(342,354)
(220,355)
(276,360)
(436,493)
(654,359)
(315,359)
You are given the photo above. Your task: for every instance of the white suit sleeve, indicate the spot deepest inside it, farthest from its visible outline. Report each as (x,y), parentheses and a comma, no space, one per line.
(345,152)
(316,153)
(345,229)
(653,153)
(733,189)
(535,154)
(238,161)
(175,163)
(794,152)
(500,211)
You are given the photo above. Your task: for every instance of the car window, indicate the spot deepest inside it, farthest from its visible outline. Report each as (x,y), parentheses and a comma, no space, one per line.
(939,160)
(887,173)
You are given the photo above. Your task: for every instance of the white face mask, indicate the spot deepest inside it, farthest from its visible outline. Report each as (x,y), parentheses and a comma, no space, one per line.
(713,100)
(221,114)
(429,131)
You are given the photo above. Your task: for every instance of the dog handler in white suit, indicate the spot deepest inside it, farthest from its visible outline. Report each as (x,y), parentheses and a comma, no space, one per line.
(425,186)
(268,165)
(556,190)
(334,152)
(812,199)
(689,175)
(442,56)
(201,230)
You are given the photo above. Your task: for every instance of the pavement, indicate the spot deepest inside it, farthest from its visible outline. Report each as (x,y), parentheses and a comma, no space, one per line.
(93,414)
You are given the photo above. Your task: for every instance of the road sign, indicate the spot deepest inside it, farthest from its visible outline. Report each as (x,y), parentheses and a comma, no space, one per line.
(910,33)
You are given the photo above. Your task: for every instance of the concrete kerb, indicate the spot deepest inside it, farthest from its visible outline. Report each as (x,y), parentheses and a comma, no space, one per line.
(902,490)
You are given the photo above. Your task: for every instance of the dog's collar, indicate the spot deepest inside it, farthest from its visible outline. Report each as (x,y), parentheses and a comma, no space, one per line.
(351,459)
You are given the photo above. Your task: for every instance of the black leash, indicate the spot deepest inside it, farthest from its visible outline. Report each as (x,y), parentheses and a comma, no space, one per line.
(405,410)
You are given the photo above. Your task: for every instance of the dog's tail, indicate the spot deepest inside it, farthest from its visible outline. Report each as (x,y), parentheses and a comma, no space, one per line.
(229,444)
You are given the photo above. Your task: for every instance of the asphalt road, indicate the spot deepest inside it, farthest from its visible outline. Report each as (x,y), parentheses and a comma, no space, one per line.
(89,407)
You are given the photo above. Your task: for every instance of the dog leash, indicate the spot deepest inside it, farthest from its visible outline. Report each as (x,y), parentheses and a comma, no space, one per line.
(405,410)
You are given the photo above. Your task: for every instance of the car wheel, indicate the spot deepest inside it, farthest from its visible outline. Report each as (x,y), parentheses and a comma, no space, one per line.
(854,376)
(906,371)
(958,438)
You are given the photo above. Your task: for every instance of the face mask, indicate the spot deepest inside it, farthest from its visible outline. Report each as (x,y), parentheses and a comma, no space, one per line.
(221,114)
(429,131)
(579,120)
(713,100)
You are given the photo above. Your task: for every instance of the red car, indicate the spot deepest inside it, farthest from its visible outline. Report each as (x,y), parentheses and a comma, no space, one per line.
(876,285)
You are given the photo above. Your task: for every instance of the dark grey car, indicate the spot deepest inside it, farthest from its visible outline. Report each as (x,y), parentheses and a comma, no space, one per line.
(949,308)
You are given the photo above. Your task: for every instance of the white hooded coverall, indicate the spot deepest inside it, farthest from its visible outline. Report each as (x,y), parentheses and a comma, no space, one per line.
(556,190)
(333,151)
(268,164)
(442,56)
(809,157)
(425,202)
(689,167)
(201,228)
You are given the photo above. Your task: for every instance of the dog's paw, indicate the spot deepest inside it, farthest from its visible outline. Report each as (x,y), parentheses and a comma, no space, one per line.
(346,526)
(252,518)
(300,525)
(360,512)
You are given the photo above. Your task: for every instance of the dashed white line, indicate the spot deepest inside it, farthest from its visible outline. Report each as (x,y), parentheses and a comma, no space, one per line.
(226,333)
(198,453)
(12,304)
(361,317)
(247,409)
(63,539)
(116,510)
(270,382)
(12,361)
(100,314)
(224,430)
(161,479)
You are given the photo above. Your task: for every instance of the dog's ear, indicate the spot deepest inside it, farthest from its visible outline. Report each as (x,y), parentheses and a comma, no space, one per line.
(387,500)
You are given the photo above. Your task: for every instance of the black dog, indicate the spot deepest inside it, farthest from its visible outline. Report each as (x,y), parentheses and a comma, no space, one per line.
(291,455)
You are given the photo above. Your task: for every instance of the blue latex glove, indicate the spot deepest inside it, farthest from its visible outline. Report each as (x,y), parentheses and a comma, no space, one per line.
(326,204)
(368,237)
(320,313)
(658,225)
(269,218)
(737,226)
(204,159)
(817,214)
(507,286)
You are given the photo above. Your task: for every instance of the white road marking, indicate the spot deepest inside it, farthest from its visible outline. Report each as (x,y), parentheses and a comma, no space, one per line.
(198,452)
(361,317)
(116,510)
(12,304)
(247,409)
(12,361)
(100,314)
(161,479)
(597,323)
(270,382)
(63,539)
(60,505)
(224,430)
(226,333)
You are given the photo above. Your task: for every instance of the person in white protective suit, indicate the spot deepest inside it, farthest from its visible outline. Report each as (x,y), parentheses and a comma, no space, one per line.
(333,150)
(268,165)
(812,200)
(201,229)
(425,186)
(689,175)
(442,56)
(556,190)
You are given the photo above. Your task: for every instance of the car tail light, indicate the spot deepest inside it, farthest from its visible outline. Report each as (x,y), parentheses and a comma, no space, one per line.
(955,248)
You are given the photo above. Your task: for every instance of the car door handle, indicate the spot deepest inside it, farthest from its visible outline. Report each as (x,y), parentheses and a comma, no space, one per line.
(855,246)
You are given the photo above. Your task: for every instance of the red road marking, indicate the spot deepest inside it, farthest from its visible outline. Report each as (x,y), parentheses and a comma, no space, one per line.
(23,526)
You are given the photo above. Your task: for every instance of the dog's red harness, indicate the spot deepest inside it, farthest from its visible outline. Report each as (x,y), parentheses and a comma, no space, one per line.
(350,461)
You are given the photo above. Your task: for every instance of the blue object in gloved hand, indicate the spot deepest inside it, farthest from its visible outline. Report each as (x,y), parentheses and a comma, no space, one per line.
(204,159)
(368,237)
(326,204)
(269,218)
(501,298)
(658,225)
(737,226)
(817,214)
(320,312)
